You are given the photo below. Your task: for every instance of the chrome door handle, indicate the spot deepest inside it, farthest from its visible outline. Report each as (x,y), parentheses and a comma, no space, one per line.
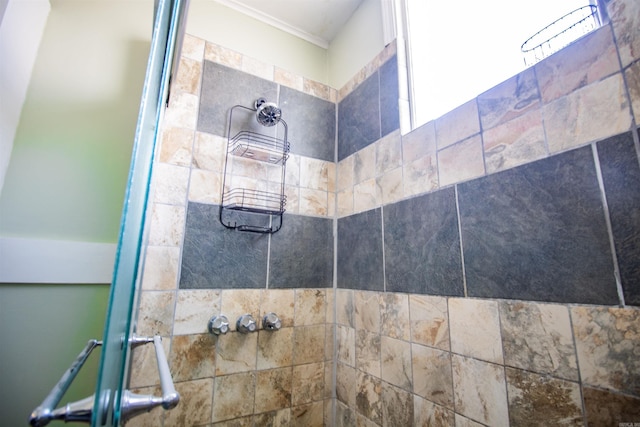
(131,404)
(135,404)
(78,411)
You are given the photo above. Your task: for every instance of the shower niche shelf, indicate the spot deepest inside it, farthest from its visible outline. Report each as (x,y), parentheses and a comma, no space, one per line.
(253,196)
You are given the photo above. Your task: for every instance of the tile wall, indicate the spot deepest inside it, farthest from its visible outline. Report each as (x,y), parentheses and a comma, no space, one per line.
(487,263)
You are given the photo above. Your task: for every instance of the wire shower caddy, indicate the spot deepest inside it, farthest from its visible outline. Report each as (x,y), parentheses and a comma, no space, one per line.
(250,204)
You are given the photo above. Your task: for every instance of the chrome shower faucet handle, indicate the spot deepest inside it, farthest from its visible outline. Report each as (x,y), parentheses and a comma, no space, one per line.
(219,325)
(271,322)
(246,323)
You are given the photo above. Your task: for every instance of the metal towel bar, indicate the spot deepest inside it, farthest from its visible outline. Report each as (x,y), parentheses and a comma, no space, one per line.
(131,405)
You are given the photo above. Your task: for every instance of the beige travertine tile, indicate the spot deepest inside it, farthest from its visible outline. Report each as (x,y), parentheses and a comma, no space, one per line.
(388,153)
(480,391)
(345,203)
(257,68)
(365,196)
(427,414)
(244,167)
(307,384)
(205,186)
(192,47)
(281,418)
(189,76)
(155,313)
(195,404)
(331,176)
(281,302)
(537,337)
(419,143)
(345,307)
(194,308)
(461,421)
(273,389)
(237,422)
(396,362)
(394,316)
(149,419)
(233,396)
(236,352)
(313,202)
(390,186)
(397,406)
(364,164)
(275,348)
(236,302)
(292,176)
(346,384)
(429,321)
(329,385)
(310,308)
(317,89)
(346,345)
(161,268)
(293,199)
(314,174)
(144,364)
(289,79)
(223,55)
(475,329)
(345,416)
(457,125)
(310,414)
(588,114)
(625,17)
(176,146)
(432,374)
(367,352)
(608,344)
(420,176)
(167,225)
(508,100)
(516,142)
(182,111)
(461,162)
(588,60)
(367,311)
(209,152)
(632,77)
(308,344)
(345,173)
(603,407)
(540,400)
(330,305)
(192,357)
(369,397)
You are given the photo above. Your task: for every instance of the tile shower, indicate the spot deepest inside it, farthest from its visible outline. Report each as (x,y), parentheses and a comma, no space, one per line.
(486,264)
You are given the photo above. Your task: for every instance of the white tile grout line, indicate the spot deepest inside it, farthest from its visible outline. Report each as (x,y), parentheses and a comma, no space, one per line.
(458,218)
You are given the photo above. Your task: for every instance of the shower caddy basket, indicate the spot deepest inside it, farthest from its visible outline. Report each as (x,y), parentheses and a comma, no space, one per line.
(257,208)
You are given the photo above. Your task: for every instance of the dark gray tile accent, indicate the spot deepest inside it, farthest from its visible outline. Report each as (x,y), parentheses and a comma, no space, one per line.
(312,124)
(389,95)
(359,117)
(621,176)
(224,87)
(214,257)
(422,245)
(360,251)
(537,232)
(302,253)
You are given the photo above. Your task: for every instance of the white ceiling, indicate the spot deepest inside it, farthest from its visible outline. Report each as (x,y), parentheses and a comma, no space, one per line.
(317,21)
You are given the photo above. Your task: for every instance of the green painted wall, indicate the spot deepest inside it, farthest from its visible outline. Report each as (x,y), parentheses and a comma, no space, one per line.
(43,328)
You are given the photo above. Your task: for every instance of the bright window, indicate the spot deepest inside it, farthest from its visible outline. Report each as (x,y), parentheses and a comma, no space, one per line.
(461,48)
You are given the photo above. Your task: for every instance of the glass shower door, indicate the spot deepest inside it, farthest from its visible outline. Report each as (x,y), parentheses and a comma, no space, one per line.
(117,340)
